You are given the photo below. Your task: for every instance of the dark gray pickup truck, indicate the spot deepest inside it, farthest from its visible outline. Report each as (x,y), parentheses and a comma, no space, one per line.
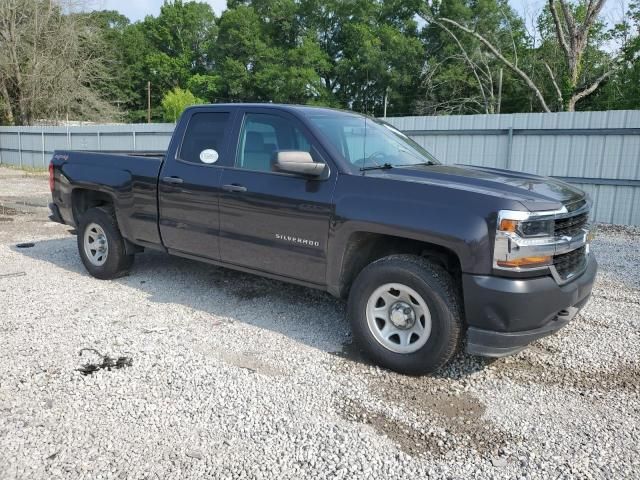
(431,257)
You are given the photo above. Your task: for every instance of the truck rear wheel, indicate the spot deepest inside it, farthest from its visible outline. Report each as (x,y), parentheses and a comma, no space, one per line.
(405,313)
(101,245)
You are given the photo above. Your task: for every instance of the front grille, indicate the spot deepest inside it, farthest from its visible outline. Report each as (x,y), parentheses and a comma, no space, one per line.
(570,226)
(572,207)
(569,263)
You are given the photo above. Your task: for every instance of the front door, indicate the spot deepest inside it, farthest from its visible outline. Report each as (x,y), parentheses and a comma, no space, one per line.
(189,186)
(270,221)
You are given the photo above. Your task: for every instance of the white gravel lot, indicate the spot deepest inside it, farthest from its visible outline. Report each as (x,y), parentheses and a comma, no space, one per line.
(235,376)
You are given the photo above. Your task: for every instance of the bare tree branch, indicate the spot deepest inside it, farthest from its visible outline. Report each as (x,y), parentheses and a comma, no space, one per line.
(559,29)
(532,86)
(572,37)
(588,91)
(555,84)
(578,35)
(593,10)
(50,58)
(469,62)
(569,20)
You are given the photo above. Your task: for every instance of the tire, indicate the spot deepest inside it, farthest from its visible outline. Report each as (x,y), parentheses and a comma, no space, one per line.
(102,224)
(435,313)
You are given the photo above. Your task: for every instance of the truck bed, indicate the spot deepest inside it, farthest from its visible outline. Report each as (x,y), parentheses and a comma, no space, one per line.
(130,178)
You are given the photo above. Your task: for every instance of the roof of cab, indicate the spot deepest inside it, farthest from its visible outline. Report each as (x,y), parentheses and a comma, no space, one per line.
(305,109)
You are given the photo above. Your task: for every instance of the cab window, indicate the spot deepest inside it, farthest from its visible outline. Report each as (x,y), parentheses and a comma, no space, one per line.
(204,138)
(262,136)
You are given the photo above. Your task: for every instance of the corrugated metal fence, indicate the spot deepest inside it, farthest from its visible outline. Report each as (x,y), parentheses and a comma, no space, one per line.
(599,151)
(32,147)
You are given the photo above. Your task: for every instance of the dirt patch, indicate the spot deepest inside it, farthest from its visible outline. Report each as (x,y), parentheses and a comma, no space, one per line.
(352,352)
(250,361)
(450,405)
(247,287)
(12,211)
(623,230)
(410,440)
(33,201)
(624,377)
(243,286)
(445,418)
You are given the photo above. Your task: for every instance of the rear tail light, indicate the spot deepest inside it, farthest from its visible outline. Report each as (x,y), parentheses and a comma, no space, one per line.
(51,178)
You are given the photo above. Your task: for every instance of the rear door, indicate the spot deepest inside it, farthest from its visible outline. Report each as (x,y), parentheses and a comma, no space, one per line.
(189,183)
(271,221)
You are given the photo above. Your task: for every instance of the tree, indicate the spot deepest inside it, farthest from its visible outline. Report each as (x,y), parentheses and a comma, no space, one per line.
(373,51)
(175,101)
(459,76)
(261,55)
(49,62)
(116,44)
(573,28)
(622,91)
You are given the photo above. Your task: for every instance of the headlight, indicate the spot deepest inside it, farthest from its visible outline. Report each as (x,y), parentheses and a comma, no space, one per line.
(530,228)
(530,241)
(523,242)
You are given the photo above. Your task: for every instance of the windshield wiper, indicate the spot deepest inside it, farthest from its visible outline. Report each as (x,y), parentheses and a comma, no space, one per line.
(384,166)
(429,162)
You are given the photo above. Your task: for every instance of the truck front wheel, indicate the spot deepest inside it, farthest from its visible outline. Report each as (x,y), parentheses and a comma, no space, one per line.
(101,245)
(405,313)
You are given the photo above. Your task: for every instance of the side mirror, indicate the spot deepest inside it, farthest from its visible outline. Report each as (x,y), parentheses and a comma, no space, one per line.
(299,163)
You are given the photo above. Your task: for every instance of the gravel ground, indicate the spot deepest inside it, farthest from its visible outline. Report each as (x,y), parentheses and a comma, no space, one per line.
(235,376)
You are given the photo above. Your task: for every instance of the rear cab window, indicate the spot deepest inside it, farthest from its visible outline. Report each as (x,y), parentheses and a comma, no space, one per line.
(204,138)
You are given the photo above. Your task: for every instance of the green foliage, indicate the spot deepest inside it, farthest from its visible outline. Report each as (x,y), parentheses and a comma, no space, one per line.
(175,101)
(450,85)
(623,90)
(353,54)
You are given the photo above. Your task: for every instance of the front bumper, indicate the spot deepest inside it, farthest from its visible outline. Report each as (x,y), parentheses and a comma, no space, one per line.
(504,315)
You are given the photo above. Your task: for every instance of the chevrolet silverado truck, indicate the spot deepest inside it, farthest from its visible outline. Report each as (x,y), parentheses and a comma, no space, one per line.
(430,257)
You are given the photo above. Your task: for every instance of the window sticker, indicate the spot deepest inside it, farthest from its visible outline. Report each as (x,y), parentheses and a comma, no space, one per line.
(208,156)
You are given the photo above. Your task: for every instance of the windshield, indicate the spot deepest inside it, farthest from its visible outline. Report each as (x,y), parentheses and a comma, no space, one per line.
(366,142)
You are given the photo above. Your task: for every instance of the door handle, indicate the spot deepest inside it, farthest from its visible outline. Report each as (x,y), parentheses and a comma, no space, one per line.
(174,180)
(234,188)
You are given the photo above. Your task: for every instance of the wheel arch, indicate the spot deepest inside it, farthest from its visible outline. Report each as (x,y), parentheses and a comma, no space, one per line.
(83,199)
(364,247)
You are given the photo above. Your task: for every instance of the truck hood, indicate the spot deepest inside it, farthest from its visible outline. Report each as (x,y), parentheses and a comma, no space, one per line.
(533,191)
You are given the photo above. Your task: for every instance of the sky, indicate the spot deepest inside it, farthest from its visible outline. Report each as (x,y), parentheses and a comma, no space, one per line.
(529,9)
(138,9)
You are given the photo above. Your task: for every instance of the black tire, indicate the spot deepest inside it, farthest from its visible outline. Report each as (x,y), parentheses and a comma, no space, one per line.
(441,295)
(117,262)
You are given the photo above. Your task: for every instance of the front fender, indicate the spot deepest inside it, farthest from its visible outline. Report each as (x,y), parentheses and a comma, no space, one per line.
(457,220)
